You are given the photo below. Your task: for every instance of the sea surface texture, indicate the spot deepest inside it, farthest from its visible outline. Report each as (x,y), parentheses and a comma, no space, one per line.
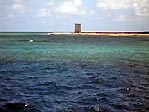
(40,73)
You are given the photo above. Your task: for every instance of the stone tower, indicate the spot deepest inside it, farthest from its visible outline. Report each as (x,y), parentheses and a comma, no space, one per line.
(77,28)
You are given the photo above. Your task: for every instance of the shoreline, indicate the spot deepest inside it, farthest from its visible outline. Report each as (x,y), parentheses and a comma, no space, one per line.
(102,33)
(77,34)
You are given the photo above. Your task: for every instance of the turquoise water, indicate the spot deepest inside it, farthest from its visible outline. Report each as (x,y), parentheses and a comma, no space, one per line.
(74,73)
(75,48)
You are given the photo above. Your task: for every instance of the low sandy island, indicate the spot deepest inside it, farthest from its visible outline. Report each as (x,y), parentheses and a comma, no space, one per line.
(102,33)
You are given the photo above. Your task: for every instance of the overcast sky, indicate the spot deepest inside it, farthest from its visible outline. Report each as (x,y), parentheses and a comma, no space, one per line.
(60,15)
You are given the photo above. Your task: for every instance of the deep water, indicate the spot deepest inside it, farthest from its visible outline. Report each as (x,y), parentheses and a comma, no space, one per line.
(74,74)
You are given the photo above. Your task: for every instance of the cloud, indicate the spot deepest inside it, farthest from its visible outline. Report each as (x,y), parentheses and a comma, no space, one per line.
(68,7)
(19,6)
(113,4)
(10,15)
(139,7)
(60,15)
(23,6)
(78,2)
(120,18)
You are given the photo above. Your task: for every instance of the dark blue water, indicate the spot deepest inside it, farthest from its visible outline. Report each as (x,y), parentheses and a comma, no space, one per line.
(74,74)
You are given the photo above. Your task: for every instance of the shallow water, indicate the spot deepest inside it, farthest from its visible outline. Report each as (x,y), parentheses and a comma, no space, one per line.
(74,73)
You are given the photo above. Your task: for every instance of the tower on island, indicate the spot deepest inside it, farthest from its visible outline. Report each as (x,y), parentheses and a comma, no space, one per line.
(77,28)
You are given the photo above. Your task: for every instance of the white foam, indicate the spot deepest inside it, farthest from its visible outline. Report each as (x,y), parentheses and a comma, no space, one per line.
(31,40)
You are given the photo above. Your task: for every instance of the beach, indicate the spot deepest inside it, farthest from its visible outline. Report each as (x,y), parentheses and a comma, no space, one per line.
(102,33)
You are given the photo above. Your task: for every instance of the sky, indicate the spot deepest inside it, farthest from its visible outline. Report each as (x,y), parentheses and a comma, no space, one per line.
(61,15)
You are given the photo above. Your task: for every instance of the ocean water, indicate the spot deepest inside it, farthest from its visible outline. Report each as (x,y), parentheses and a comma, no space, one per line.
(74,73)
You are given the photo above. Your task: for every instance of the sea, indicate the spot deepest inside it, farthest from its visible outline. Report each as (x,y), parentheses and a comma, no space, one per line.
(73,73)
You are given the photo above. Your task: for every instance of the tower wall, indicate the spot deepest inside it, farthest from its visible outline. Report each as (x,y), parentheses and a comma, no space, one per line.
(77,28)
